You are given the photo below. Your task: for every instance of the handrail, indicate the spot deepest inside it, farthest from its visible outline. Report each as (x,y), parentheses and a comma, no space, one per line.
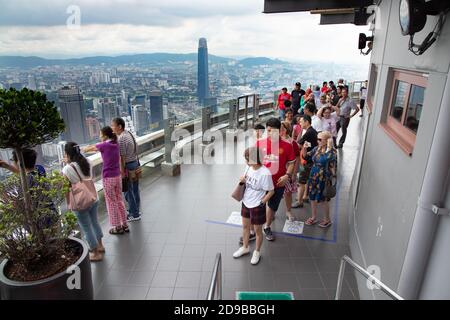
(216,279)
(367,275)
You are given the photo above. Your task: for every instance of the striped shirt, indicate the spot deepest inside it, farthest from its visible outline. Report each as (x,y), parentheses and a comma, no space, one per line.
(127,147)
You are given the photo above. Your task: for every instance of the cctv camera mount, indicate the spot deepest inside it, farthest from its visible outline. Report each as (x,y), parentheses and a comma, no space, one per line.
(363,39)
(413,17)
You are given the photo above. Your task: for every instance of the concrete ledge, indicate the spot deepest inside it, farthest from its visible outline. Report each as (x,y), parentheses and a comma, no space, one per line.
(171,169)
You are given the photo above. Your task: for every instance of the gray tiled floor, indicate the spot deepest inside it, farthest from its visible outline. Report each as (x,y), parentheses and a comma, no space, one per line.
(170,253)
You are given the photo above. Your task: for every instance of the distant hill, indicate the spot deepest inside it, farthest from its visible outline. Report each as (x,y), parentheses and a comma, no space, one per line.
(151,58)
(251,62)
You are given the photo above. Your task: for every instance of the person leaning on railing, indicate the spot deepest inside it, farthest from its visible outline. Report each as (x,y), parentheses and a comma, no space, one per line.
(112,180)
(130,167)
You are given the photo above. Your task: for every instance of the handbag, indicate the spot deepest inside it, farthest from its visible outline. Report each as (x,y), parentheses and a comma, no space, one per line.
(329,191)
(238,193)
(134,175)
(82,195)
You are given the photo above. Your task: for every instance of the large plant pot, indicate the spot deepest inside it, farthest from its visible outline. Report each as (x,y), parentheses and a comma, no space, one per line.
(74,283)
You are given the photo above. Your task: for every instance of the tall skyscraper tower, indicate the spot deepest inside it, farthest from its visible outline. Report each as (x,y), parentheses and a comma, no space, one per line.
(70,102)
(140,119)
(156,107)
(202,74)
(107,110)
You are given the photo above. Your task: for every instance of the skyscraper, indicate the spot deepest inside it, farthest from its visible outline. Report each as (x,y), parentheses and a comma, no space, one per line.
(140,119)
(202,74)
(107,110)
(70,102)
(156,107)
(93,128)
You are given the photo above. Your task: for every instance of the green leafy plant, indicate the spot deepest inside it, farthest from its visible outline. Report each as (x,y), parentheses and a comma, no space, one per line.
(17,243)
(30,224)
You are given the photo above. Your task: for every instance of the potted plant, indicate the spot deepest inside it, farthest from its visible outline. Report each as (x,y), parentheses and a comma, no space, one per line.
(42,259)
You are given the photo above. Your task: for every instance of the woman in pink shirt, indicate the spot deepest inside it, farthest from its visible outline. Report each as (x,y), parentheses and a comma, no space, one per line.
(112,180)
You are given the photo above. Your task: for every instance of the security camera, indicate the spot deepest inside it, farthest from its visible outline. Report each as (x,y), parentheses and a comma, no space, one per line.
(413,18)
(362,43)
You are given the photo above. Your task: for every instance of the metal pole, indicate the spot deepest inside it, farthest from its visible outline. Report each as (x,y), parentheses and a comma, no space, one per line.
(219,278)
(246,113)
(340,280)
(425,221)
(238,111)
(368,276)
(216,279)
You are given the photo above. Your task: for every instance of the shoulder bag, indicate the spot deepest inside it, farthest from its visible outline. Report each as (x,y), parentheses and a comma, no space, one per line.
(135,175)
(238,193)
(82,195)
(329,192)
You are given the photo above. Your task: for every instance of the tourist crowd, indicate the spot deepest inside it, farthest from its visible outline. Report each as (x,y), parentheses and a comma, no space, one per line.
(296,155)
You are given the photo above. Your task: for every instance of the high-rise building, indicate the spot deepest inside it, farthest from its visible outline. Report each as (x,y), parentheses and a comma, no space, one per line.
(93,128)
(212,103)
(71,106)
(141,100)
(202,74)
(140,119)
(156,107)
(107,110)
(126,103)
(98,77)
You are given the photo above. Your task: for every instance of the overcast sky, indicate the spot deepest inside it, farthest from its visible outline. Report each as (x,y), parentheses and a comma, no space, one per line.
(113,27)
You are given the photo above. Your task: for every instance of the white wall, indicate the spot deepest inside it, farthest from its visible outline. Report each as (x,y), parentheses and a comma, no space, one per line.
(391,180)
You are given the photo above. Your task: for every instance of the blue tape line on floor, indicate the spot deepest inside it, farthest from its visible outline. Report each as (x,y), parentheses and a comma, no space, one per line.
(336,214)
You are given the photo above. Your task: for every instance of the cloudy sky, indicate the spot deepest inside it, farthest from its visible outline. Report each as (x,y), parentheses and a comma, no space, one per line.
(113,27)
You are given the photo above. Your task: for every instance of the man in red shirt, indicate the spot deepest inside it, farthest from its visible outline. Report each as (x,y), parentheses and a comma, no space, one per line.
(278,156)
(284,95)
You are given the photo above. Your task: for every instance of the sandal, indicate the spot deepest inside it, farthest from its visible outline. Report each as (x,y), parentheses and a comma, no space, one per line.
(325,224)
(95,258)
(126,229)
(310,222)
(116,230)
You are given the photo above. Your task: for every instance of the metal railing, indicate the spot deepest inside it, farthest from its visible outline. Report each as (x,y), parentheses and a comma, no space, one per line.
(216,279)
(155,140)
(367,275)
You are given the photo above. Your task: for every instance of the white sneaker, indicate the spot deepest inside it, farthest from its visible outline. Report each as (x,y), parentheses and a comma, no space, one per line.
(241,252)
(255,258)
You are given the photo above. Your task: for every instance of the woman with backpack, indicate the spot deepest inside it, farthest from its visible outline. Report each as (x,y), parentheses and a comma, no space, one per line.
(78,171)
(112,180)
(323,156)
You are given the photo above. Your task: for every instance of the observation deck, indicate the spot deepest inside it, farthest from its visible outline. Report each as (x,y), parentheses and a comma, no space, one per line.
(170,253)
